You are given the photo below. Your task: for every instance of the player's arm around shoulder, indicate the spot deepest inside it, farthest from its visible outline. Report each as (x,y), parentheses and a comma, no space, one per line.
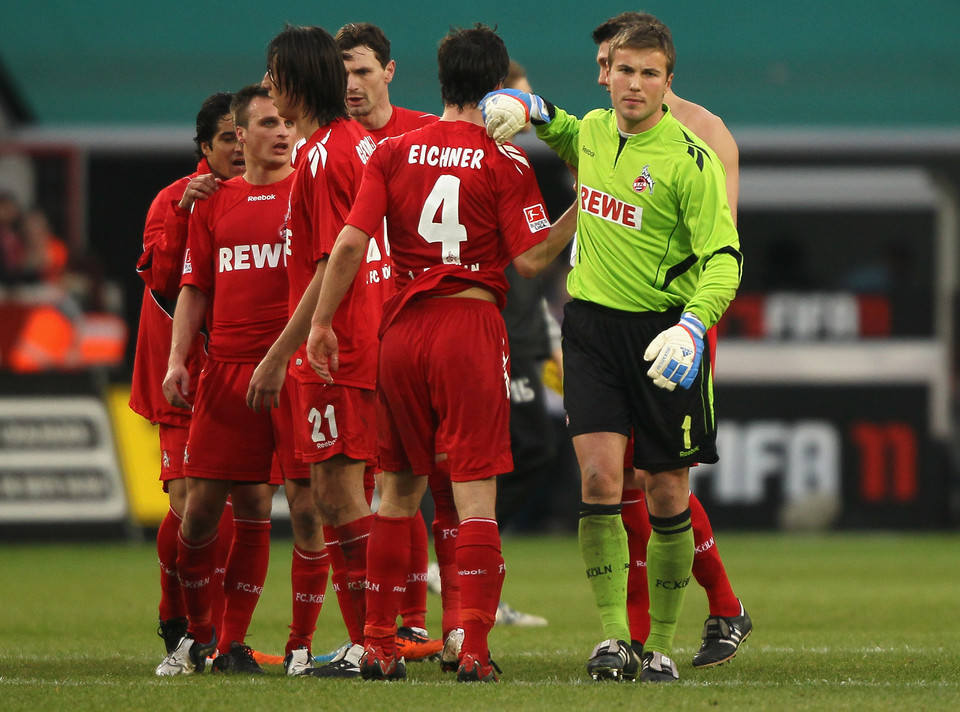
(718,137)
(562,135)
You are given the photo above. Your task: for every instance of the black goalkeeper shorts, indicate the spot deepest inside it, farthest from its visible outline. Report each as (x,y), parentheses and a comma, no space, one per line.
(606,388)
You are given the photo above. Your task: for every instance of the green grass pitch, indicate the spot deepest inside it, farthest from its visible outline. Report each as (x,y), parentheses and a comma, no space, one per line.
(841,622)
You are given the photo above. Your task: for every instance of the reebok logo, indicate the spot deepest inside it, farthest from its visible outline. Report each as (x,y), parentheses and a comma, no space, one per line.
(258,198)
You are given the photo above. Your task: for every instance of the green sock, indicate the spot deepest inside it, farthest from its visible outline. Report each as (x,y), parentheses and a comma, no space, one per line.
(603,545)
(669,566)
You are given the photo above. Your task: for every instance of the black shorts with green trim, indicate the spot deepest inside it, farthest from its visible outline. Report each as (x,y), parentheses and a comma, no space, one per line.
(607,390)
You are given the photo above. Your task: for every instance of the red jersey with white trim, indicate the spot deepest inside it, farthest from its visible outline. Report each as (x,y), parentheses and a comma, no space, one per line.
(401,121)
(459,208)
(329,168)
(160,265)
(235,255)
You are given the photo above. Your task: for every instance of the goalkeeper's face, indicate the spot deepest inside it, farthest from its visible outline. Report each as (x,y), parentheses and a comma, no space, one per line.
(638,84)
(366,81)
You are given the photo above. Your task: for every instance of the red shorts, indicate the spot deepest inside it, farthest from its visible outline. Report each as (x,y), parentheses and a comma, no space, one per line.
(173,442)
(228,441)
(334,420)
(444,387)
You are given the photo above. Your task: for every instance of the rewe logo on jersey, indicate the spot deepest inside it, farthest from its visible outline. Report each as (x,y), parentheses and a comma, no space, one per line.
(536,217)
(241,257)
(606,207)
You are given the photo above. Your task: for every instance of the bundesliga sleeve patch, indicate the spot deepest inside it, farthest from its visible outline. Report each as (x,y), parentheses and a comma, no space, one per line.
(536,217)
(187,262)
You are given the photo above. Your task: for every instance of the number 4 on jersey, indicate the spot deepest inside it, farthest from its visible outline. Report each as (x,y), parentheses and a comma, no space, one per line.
(444,199)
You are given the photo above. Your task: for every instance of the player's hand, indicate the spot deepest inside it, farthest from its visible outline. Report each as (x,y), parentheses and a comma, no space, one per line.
(676,353)
(176,386)
(507,111)
(199,188)
(266,384)
(323,351)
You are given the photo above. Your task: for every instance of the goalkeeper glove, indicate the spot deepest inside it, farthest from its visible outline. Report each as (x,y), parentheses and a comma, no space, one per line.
(676,353)
(507,111)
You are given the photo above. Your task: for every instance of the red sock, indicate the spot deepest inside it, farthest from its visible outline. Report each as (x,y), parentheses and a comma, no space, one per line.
(195,563)
(481,569)
(308,582)
(637,524)
(413,607)
(346,589)
(388,565)
(445,524)
(708,567)
(171,599)
(243,582)
(224,542)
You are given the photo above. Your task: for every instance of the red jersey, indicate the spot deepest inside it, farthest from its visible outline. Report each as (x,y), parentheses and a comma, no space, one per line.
(160,265)
(329,168)
(235,255)
(401,121)
(459,208)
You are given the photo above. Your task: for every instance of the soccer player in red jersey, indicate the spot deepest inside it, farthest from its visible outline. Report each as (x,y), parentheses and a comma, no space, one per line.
(160,265)
(335,425)
(370,69)
(728,624)
(234,279)
(458,209)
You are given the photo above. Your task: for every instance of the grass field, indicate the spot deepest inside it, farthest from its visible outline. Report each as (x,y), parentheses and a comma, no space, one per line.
(842,622)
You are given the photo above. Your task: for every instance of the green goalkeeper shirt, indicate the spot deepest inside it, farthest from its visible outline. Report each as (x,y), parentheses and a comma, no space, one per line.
(654,229)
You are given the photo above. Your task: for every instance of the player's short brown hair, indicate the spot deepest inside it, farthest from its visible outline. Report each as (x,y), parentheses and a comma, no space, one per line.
(646,35)
(471,63)
(212,111)
(606,31)
(240,106)
(357,34)
(305,63)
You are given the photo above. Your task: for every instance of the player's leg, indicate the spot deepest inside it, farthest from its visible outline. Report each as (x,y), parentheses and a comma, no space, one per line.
(446,524)
(309,570)
(172,610)
(605,550)
(339,445)
(728,624)
(636,522)
(597,406)
(481,570)
(246,573)
(388,567)
(196,561)
(669,565)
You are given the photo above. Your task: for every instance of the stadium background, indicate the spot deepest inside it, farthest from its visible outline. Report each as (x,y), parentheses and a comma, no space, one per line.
(837,369)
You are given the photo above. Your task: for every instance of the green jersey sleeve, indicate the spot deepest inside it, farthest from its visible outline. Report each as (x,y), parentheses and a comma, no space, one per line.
(562,135)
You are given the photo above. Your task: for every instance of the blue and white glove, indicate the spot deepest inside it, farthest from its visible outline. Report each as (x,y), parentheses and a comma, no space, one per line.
(676,353)
(507,111)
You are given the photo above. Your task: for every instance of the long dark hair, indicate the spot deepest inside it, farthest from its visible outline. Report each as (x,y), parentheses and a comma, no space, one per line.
(305,64)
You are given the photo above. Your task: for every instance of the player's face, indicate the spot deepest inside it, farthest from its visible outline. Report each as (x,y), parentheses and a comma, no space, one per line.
(284,105)
(603,61)
(224,153)
(638,83)
(366,81)
(267,138)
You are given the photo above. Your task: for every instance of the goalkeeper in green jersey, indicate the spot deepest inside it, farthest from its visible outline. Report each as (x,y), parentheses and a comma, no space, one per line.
(658,262)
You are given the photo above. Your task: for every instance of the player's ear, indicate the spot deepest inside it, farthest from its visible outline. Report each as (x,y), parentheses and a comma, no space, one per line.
(390,69)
